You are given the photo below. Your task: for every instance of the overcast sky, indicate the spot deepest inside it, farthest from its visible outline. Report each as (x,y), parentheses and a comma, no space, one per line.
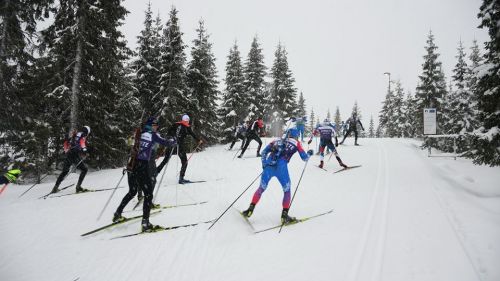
(337,50)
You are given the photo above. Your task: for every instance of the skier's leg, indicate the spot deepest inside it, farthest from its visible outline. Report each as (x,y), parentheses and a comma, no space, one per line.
(259,141)
(247,142)
(264,181)
(132,191)
(284,179)
(83,168)
(62,175)
(184,162)
(168,153)
(355,137)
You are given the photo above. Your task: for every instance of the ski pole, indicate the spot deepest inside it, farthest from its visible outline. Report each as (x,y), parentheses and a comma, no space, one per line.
(3,188)
(235,200)
(296,188)
(111,196)
(33,186)
(163,174)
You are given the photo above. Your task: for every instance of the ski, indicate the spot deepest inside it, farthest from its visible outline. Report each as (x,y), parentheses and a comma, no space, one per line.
(299,220)
(117,223)
(175,206)
(246,219)
(47,195)
(322,168)
(82,192)
(161,228)
(348,168)
(188,182)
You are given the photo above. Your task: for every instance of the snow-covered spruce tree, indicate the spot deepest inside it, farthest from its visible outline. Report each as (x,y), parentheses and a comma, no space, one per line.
(301,106)
(337,119)
(283,93)
(312,119)
(87,52)
(202,83)
(432,85)
(371,129)
(328,114)
(233,108)
(147,66)
(409,111)
(486,142)
(396,120)
(379,133)
(174,95)
(254,72)
(476,60)
(19,125)
(461,111)
(387,110)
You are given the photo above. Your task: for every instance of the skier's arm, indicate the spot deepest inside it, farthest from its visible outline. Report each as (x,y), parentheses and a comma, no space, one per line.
(361,125)
(303,154)
(190,131)
(165,142)
(264,153)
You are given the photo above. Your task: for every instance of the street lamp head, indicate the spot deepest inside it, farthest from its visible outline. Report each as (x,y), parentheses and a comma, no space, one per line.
(387,73)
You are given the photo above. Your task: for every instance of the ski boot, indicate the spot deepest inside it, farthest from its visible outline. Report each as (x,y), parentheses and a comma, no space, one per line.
(155,206)
(80,189)
(241,155)
(248,212)
(258,154)
(321,164)
(55,189)
(148,227)
(286,219)
(117,217)
(183,181)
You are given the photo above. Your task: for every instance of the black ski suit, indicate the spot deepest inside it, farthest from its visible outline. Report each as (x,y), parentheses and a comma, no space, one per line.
(179,130)
(353,122)
(76,151)
(240,132)
(143,173)
(252,134)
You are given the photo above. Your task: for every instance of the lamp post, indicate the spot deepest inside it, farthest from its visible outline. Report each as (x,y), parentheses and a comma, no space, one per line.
(388,74)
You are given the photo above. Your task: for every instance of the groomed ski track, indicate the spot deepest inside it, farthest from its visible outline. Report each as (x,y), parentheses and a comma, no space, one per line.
(401,216)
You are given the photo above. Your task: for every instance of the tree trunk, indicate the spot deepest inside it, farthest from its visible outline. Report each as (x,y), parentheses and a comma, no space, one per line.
(75,87)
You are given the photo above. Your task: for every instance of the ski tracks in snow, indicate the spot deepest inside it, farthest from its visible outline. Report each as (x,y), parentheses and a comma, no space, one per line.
(369,257)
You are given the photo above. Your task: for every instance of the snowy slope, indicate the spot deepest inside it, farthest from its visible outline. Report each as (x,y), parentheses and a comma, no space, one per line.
(401,216)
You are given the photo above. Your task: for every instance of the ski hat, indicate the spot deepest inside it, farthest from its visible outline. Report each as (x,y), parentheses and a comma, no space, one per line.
(185,118)
(151,121)
(12,175)
(87,128)
(293,133)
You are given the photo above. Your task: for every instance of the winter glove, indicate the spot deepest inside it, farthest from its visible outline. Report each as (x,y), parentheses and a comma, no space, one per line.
(310,152)
(309,141)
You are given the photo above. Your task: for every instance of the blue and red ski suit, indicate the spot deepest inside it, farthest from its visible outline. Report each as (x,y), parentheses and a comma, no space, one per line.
(275,158)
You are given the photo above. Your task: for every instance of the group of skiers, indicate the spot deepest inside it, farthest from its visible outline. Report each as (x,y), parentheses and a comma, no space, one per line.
(142,171)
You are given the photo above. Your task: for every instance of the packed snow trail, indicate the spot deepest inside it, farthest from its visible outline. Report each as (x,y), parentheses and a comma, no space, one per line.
(401,216)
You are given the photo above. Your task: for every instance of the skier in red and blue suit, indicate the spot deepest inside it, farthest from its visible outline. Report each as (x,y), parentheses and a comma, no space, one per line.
(275,158)
(326,132)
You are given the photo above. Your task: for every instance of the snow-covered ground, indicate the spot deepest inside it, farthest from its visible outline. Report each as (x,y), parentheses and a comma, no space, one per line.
(401,216)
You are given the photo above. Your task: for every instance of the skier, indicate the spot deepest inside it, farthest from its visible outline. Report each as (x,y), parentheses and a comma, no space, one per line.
(10,176)
(240,132)
(301,126)
(352,122)
(75,147)
(143,172)
(180,130)
(276,156)
(326,131)
(253,134)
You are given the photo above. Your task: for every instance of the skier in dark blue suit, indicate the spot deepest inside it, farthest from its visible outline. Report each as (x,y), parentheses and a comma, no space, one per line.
(143,172)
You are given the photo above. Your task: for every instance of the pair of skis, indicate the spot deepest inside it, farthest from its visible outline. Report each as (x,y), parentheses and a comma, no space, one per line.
(140,216)
(341,170)
(298,220)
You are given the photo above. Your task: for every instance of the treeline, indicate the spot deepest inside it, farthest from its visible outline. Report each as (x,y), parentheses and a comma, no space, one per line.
(79,71)
(468,106)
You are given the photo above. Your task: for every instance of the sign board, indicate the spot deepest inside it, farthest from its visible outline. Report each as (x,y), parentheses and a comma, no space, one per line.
(429,121)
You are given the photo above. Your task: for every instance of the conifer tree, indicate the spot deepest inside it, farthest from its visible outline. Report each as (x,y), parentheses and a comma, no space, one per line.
(409,111)
(173,89)
(233,108)
(337,119)
(397,118)
(202,83)
(312,118)
(283,94)
(387,110)
(371,129)
(472,81)
(432,85)
(487,136)
(301,106)
(461,113)
(254,72)
(328,114)
(147,66)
